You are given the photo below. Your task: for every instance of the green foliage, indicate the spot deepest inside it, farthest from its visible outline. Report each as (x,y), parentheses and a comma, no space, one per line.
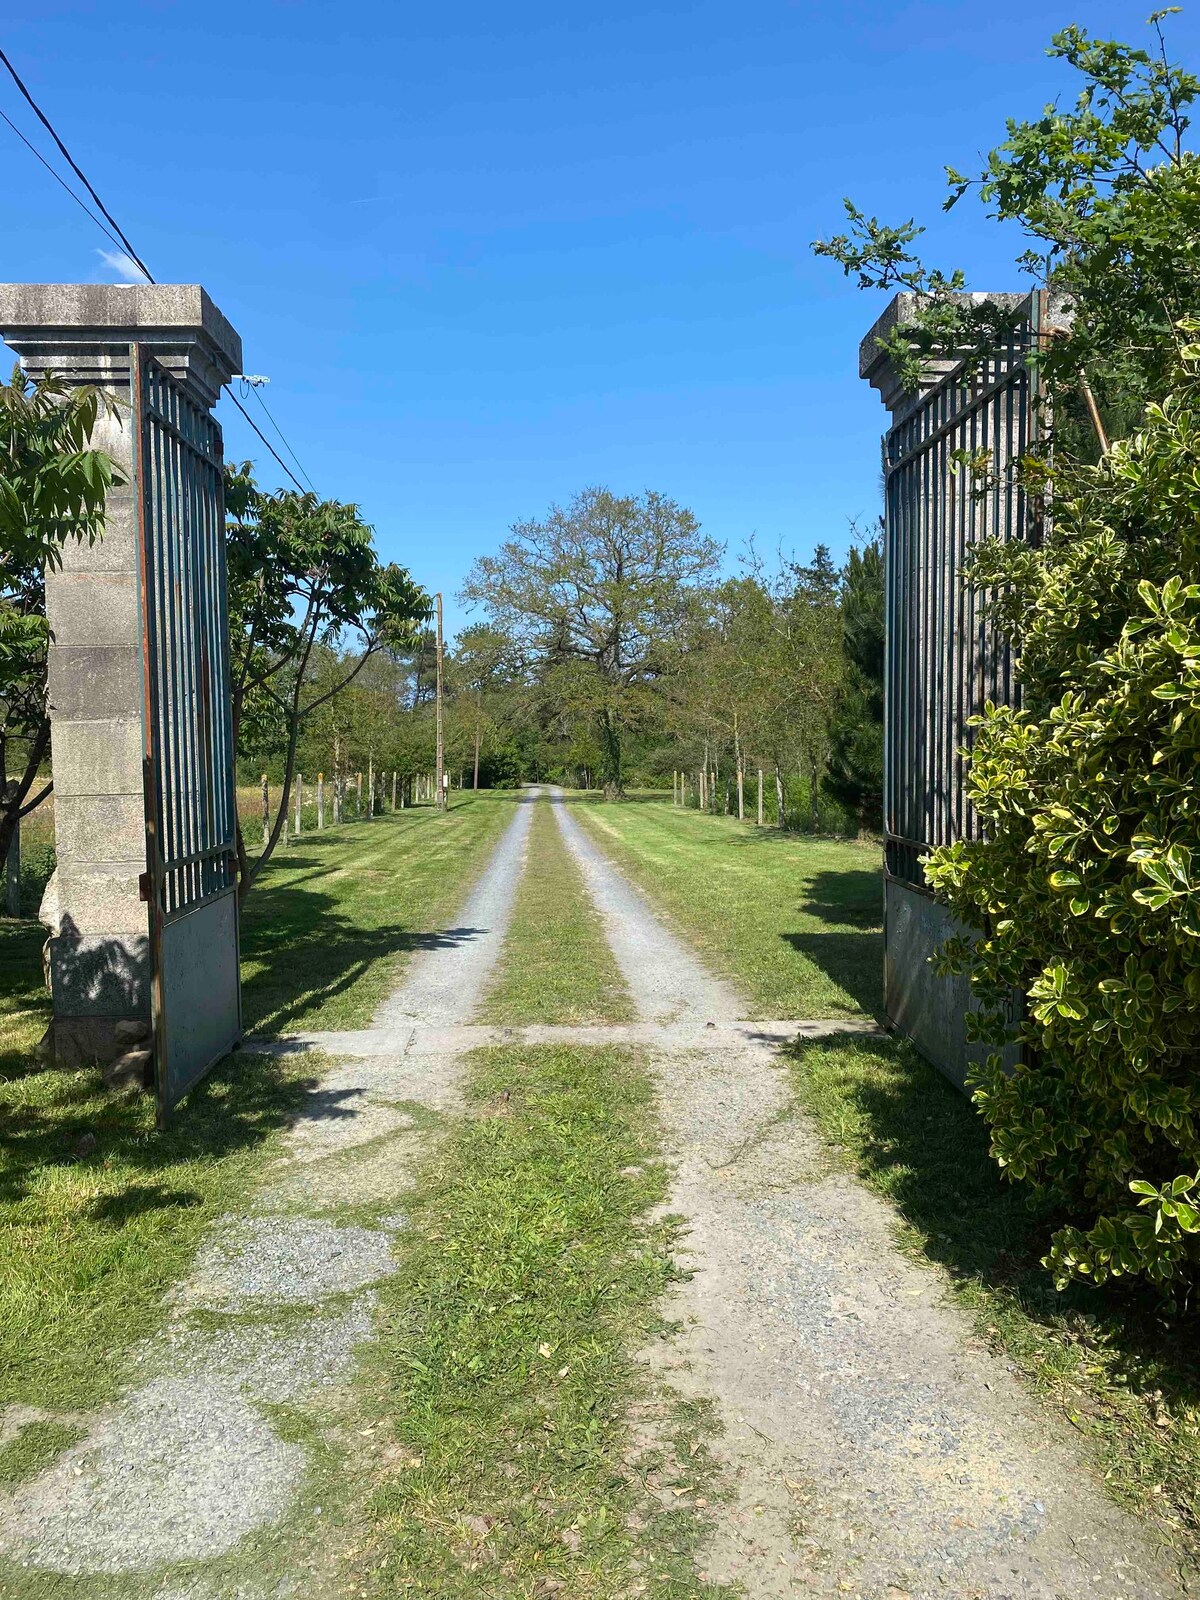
(306,592)
(1087,886)
(1084,889)
(52,490)
(595,599)
(854,775)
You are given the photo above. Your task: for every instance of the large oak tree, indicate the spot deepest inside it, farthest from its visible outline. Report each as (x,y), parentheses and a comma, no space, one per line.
(597,597)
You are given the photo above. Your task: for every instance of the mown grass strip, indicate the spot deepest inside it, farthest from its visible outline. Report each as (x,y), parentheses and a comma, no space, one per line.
(327,930)
(557,966)
(794,921)
(100,1215)
(1126,1379)
(506,1371)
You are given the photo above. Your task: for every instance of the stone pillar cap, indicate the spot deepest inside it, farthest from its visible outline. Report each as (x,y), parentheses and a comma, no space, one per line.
(876,366)
(82,332)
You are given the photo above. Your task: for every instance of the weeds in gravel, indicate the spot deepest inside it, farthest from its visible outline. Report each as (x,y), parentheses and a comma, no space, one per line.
(557,966)
(505,1377)
(1126,1379)
(795,921)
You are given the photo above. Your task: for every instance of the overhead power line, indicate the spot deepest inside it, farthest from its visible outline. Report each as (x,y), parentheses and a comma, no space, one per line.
(262,436)
(73,164)
(258,396)
(118,236)
(60,180)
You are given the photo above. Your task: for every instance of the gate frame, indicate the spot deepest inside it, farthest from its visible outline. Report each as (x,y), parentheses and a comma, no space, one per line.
(917,1002)
(97,955)
(154,891)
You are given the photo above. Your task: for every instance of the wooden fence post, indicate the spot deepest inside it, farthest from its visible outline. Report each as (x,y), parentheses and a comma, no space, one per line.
(266,811)
(393,788)
(760,797)
(741,795)
(370,787)
(320,802)
(299,800)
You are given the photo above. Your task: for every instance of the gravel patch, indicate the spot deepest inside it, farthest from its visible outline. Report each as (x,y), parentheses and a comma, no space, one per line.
(336,1119)
(855,1396)
(446,983)
(153,1484)
(273,1364)
(284,1261)
(665,978)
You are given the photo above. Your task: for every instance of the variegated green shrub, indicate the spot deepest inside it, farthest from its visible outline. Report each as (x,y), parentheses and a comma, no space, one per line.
(1087,885)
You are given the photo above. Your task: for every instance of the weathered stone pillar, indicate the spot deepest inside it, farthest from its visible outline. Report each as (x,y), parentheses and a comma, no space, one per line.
(99,948)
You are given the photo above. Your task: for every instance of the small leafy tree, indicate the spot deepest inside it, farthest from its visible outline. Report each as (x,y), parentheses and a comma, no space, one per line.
(1085,889)
(303,574)
(52,490)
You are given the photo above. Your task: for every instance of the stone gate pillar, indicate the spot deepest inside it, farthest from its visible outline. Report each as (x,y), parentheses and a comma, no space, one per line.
(98,951)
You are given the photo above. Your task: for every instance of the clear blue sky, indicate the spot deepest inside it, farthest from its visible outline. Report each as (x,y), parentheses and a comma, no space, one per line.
(489,255)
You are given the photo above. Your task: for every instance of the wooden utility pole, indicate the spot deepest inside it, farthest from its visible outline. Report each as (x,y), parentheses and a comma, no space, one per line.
(439,773)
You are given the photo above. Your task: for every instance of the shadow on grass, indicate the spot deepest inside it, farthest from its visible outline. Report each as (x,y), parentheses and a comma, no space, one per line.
(854,961)
(312,951)
(920,1142)
(71,1120)
(52,1117)
(850,898)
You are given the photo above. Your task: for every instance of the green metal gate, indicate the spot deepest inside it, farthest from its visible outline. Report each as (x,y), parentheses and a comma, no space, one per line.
(188,737)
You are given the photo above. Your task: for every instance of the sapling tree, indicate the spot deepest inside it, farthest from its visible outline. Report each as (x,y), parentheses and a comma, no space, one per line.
(303,573)
(52,490)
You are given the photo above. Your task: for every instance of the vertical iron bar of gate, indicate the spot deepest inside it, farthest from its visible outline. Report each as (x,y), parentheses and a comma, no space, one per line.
(150,743)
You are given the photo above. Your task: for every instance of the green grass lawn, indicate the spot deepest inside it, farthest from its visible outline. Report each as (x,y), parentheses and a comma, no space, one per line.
(1126,1377)
(99,1213)
(556,965)
(507,1371)
(794,920)
(328,927)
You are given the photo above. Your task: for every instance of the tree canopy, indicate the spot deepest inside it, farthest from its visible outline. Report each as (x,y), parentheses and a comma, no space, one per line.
(52,490)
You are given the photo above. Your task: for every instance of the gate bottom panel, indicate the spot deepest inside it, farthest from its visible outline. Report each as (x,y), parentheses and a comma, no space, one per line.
(200,998)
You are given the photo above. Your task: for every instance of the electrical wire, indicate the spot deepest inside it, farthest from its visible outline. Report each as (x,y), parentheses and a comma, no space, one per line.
(262,436)
(121,240)
(286,445)
(74,166)
(59,179)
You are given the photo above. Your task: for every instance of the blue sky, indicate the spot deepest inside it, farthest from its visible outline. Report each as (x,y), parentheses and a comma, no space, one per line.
(489,255)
